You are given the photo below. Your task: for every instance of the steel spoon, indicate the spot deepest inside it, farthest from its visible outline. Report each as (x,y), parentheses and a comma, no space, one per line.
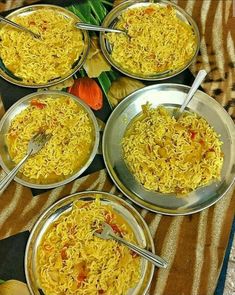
(108,233)
(90,27)
(197,82)
(22,28)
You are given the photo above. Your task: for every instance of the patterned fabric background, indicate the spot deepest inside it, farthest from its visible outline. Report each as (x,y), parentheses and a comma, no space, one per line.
(216,24)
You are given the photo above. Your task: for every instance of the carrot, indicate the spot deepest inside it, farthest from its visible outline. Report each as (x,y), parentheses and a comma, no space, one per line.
(89,91)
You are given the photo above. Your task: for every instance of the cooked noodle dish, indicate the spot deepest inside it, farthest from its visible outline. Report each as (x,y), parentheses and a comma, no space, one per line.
(171,156)
(157,40)
(71,260)
(39,61)
(70,145)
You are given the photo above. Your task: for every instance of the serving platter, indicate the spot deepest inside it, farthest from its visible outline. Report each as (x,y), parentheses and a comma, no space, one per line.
(169,95)
(10,77)
(113,17)
(5,161)
(121,207)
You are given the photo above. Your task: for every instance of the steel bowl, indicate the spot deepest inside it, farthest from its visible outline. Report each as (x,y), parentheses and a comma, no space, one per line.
(7,75)
(5,160)
(170,96)
(113,17)
(121,207)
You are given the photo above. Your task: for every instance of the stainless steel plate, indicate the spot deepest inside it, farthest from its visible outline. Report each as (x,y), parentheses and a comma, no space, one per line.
(131,216)
(169,95)
(113,17)
(5,160)
(78,64)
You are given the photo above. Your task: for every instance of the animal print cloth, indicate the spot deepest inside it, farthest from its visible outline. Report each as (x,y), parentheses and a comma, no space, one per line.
(11,4)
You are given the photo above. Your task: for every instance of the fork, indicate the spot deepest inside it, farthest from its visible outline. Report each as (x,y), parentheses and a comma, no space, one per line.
(108,233)
(36,143)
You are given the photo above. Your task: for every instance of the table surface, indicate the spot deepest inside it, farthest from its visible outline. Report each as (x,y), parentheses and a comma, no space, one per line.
(203,222)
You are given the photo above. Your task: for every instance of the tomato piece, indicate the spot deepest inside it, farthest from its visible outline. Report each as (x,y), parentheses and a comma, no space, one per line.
(82,275)
(63,254)
(149,10)
(134,254)
(201,142)
(192,134)
(37,104)
(109,217)
(116,229)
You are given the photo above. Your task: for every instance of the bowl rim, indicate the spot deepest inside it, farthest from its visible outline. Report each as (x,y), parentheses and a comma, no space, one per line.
(132,196)
(86,35)
(130,3)
(81,194)
(94,123)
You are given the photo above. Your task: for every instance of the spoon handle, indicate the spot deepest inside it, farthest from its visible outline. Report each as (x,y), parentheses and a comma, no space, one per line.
(90,27)
(13,24)
(4,182)
(9,22)
(156,260)
(197,82)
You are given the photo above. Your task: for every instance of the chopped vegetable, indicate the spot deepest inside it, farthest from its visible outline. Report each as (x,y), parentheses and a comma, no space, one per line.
(134,254)
(63,252)
(192,134)
(81,277)
(116,229)
(89,91)
(201,142)
(108,217)
(82,274)
(37,104)
(149,10)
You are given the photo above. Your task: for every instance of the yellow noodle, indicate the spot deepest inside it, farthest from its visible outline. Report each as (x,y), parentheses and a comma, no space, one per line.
(69,146)
(39,61)
(71,260)
(157,40)
(168,156)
